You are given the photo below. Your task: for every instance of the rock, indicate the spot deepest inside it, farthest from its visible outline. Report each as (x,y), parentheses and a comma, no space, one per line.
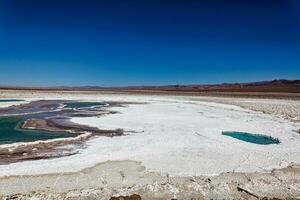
(132,197)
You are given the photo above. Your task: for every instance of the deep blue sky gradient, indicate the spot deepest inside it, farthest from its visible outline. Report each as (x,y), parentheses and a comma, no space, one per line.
(147,42)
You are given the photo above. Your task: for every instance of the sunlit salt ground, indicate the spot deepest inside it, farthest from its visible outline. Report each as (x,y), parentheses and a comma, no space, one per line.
(179,138)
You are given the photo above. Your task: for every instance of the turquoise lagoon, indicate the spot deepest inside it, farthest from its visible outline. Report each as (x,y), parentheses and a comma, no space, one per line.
(252,138)
(10,133)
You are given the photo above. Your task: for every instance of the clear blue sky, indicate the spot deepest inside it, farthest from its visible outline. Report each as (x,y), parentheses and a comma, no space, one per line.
(147,42)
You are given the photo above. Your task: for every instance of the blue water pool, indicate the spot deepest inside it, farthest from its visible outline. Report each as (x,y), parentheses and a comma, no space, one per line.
(252,138)
(10,100)
(10,133)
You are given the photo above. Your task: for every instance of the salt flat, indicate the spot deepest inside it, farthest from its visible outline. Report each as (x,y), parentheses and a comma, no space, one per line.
(185,138)
(177,136)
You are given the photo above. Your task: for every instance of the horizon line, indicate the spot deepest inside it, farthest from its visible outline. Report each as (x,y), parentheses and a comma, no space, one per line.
(2,86)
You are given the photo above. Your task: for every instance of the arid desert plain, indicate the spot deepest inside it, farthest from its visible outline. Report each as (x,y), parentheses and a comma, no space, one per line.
(157,146)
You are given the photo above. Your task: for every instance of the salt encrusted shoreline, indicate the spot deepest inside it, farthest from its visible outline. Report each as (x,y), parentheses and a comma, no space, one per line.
(60,122)
(127,177)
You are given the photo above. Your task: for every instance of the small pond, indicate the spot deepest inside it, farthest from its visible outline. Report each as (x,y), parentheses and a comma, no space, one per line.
(252,138)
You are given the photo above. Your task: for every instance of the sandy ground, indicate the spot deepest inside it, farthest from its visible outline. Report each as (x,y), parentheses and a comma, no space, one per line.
(128,177)
(284,108)
(175,151)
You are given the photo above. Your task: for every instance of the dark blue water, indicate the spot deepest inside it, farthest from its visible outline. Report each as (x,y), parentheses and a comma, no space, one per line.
(10,100)
(252,138)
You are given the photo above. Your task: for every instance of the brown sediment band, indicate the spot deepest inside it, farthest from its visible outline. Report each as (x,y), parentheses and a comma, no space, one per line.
(41,149)
(64,124)
(131,197)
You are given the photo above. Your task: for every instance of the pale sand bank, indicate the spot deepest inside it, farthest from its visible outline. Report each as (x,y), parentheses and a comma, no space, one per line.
(129,177)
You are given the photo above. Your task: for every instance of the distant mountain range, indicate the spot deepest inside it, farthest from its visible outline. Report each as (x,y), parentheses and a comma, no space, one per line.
(281,85)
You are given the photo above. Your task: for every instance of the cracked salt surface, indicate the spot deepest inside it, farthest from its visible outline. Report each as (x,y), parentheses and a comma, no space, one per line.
(179,138)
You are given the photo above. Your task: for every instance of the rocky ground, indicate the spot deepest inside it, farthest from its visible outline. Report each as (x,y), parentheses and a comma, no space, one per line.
(125,178)
(285,108)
